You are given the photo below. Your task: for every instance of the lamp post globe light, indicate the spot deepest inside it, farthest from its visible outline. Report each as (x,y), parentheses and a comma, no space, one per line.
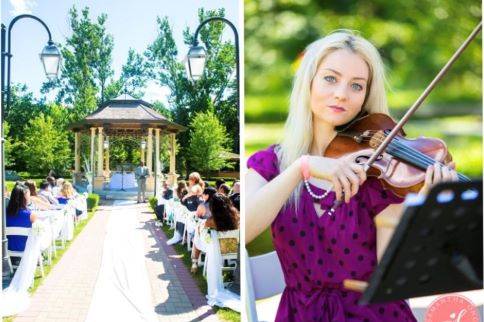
(106,144)
(143,144)
(51,60)
(197,55)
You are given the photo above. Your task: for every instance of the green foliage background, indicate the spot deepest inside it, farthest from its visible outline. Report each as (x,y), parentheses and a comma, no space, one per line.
(415,39)
(87,80)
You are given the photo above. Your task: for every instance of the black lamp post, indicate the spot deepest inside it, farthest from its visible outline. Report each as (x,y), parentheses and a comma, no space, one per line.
(50,57)
(197,55)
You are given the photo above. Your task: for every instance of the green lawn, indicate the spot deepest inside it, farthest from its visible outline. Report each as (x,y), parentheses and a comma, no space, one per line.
(463,136)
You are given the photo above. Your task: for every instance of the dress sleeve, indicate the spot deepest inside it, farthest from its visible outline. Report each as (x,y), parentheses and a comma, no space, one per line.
(265,163)
(378,198)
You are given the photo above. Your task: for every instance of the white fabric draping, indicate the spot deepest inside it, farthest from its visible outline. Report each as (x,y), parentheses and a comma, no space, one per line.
(50,225)
(119,181)
(122,291)
(15,298)
(217,294)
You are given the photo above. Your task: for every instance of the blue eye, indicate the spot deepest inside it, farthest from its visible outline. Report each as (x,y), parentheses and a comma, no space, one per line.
(330,79)
(356,87)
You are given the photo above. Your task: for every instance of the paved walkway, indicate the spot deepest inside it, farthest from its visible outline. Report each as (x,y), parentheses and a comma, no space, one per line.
(65,294)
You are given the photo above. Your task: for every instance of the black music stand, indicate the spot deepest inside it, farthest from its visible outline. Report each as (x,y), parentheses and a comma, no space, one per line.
(436,248)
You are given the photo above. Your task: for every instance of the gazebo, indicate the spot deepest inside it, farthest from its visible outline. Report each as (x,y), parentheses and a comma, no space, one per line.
(124,116)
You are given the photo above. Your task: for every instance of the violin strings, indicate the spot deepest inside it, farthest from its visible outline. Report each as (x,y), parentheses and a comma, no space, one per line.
(413,153)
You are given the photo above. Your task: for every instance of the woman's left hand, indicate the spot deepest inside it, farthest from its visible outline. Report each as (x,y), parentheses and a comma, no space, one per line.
(438,173)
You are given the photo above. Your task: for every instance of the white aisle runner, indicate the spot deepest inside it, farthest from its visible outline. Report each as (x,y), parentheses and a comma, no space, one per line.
(122,291)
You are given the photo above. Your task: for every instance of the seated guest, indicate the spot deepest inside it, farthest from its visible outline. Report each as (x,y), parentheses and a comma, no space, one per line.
(18,215)
(224,217)
(235,195)
(193,198)
(66,193)
(7,196)
(203,210)
(167,191)
(35,200)
(191,201)
(51,181)
(195,178)
(46,193)
(224,189)
(181,190)
(218,183)
(57,188)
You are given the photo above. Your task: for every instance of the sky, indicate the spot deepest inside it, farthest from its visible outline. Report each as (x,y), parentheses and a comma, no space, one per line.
(131,23)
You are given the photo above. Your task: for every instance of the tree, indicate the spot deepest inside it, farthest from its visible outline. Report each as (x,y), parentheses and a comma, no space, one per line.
(86,64)
(45,147)
(208,143)
(23,107)
(216,89)
(8,146)
(133,77)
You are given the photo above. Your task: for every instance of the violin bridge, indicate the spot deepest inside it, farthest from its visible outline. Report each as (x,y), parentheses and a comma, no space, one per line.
(377,139)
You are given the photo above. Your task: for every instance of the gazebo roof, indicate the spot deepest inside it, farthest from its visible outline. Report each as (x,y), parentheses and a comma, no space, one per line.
(126,114)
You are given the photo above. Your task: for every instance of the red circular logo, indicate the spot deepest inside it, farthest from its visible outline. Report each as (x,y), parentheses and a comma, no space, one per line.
(452,308)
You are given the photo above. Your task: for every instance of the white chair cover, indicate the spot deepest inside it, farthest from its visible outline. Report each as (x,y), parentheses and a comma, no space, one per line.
(217,294)
(15,298)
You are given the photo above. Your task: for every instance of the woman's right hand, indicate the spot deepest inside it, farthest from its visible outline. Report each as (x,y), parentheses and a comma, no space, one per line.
(346,175)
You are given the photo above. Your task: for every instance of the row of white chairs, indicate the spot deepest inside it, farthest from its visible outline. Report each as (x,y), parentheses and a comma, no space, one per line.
(51,226)
(176,212)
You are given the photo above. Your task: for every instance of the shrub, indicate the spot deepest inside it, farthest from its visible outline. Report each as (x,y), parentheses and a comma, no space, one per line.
(92,201)
(153,202)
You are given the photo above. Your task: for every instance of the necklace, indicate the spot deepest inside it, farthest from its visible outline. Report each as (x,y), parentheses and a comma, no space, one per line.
(330,212)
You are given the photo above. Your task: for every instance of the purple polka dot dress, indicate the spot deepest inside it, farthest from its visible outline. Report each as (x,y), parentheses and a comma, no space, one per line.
(318,253)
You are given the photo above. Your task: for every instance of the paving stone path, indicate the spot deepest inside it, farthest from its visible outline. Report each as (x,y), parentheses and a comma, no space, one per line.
(66,293)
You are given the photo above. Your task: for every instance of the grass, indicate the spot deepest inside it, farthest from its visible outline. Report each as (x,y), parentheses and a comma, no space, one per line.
(224,314)
(38,279)
(462,134)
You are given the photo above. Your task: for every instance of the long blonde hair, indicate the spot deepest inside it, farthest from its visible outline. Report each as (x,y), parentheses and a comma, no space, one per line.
(298,132)
(67,190)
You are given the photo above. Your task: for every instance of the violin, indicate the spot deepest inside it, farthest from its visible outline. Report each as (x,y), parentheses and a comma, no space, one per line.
(399,162)
(401,168)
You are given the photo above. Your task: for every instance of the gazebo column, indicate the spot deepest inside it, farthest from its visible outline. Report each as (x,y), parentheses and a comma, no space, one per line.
(106,166)
(157,160)
(91,157)
(77,158)
(99,179)
(150,182)
(172,176)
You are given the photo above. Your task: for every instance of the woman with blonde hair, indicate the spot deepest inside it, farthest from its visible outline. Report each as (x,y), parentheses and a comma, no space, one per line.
(66,193)
(292,187)
(195,178)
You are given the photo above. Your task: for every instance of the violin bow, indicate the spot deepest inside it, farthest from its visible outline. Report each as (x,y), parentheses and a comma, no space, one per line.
(422,97)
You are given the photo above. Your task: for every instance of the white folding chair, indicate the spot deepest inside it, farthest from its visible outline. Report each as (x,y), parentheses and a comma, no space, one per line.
(22,231)
(227,257)
(190,225)
(264,280)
